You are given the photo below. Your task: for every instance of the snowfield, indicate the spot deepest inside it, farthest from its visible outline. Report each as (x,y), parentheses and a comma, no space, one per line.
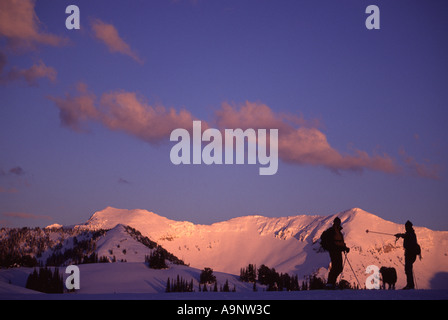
(123,281)
(288,244)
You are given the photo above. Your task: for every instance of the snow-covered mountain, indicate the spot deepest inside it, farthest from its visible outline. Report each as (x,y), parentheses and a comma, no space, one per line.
(288,244)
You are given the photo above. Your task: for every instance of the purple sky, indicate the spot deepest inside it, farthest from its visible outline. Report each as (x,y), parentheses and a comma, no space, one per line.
(85,115)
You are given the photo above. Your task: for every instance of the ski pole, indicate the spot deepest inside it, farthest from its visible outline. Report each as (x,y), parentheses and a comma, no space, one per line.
(343,265)
(387,234)
(359,285)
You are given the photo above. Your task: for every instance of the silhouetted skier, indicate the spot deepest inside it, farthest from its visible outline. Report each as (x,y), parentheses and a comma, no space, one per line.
(332,240)
(411,251)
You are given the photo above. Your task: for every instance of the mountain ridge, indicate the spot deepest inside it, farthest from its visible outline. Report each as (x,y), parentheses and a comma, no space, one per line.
(289,244)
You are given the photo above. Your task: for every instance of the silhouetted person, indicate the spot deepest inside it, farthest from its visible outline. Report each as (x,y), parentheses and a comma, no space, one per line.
(411,251)
(333,241)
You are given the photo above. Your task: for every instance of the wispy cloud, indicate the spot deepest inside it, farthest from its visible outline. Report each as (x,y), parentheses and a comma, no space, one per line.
(121,111)
(75,110)
(22,28)
(424,170)
(25,215)
(18,171)
(30,75)
(14,171)
(23,31)
(108,34)
(301,142)
(123,181)
(8,190)
(125,111)
(13,179)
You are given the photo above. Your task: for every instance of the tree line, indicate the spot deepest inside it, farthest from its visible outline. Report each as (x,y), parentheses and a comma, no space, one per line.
(25,247)
(269,277)
(275,281)
(207,282)
(45,280)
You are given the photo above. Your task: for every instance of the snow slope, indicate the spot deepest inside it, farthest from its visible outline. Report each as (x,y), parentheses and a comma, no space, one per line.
(121,278)
(117,244)
(289,244)
(136,277)
(112,281)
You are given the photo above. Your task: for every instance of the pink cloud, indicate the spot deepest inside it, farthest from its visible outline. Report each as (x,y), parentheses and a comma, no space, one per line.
(300,142)
(424,170)
(309,146)
(22,29)
(108,34)
(124,111)
(121,111)
(25,215)
(30,75)
(75,110)
(21,26)
(257,115)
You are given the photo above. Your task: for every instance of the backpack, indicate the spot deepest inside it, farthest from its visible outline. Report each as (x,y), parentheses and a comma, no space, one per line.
(325,240)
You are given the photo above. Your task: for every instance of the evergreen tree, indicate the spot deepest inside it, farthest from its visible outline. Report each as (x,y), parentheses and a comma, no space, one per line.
(180,285)
(207,276)
(156,260)
(226,287)
(268,276)
(248,274)
(32,281)
(46,281)
(304,285)
(316,283)
(168,286)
